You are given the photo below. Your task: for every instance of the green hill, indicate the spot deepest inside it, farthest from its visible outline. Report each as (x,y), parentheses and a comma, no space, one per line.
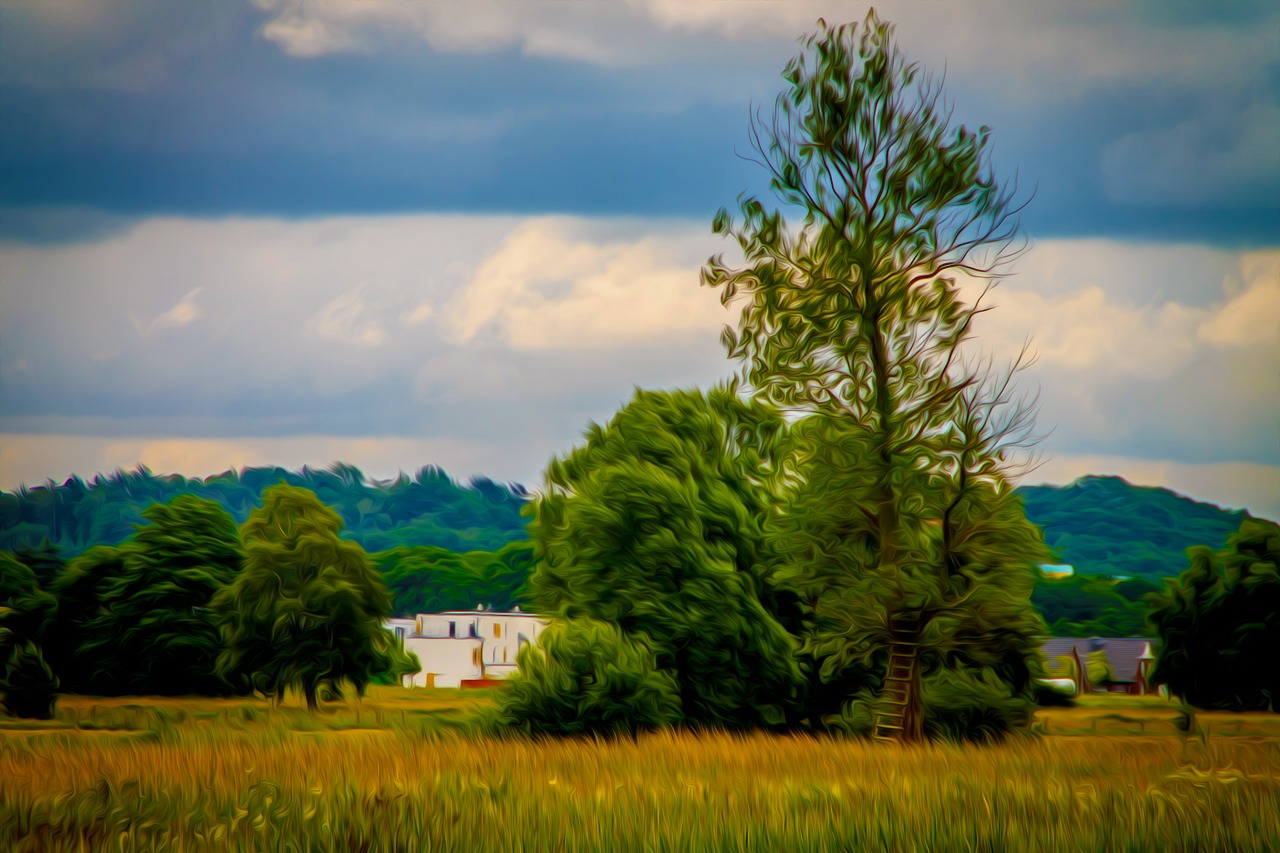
(1107,526)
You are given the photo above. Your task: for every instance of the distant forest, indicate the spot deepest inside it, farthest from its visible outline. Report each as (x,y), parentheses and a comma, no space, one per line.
(443,545)
(427,509)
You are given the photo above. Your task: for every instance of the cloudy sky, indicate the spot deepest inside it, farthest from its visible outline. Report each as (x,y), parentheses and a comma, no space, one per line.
(410,232)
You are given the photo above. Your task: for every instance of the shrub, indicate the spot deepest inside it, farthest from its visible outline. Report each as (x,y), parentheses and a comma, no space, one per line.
(971,704)
(585,677)
(30,688)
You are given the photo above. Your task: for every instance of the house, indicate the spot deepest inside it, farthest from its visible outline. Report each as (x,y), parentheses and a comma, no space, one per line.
(473,646)
(1130,659)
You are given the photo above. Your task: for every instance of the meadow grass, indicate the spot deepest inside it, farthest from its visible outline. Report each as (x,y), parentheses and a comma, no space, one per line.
(403,771)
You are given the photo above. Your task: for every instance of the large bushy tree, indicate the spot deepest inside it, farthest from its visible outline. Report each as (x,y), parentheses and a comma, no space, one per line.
(81,593)
(1219,623)
(306,612)
(654,526)
(979,631)
(858,315)
(152,630)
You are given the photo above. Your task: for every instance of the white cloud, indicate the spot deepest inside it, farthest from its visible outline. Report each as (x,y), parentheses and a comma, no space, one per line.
(1048,40)
(347,320)
(547,287)
(506,335)
(1252,316)
(1089,316)
(421,312)
(184,313)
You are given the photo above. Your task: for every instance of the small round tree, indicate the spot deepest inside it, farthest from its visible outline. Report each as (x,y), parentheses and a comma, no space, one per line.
(28,686)
(586,677)
(307,609)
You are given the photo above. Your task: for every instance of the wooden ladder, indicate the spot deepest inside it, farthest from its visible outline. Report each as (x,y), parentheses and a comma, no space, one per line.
(904,635)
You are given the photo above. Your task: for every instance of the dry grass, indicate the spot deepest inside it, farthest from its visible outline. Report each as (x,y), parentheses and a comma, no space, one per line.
(400,772)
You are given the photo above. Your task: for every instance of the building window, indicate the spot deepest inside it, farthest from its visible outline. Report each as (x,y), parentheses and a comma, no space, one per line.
(497,630)
(475,657)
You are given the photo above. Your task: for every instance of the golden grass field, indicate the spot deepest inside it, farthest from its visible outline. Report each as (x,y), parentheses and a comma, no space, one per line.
(400,771)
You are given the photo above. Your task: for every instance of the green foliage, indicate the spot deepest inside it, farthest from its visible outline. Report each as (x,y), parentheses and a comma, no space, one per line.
(26,610)
(428,509)
(587,677)
(28,686)
(426,579)
(827,537)
(973,704)
(1085,606)
(307,609)
(654,526)
(150,629)
(1098,669)
(1219,623)
(80,592)
(1105,526)
(45,561)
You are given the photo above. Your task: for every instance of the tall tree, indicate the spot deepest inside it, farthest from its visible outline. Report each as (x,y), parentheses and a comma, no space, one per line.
(1219,623)
(654,526)
(858,314)
(307,609)
(153,631)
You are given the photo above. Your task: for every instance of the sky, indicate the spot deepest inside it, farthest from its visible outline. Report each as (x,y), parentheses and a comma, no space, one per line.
(408,232)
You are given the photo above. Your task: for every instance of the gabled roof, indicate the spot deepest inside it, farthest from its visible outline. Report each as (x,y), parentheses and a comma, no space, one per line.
(1122,652)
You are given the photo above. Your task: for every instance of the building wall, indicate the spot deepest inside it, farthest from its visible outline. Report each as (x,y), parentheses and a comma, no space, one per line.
(505,633)
(462,645)
(401,628)
(445,661)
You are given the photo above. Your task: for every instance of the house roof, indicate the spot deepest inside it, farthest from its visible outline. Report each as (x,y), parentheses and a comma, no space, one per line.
(1122,652)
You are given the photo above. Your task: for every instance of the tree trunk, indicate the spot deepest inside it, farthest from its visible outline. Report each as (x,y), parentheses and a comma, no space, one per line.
(310,689)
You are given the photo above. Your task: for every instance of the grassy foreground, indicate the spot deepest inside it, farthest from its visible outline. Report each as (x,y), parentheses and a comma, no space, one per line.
(400,772)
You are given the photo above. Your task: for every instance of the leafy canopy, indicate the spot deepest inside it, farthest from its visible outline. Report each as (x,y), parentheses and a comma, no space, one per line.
(653,526)
(152,630)
(307,610)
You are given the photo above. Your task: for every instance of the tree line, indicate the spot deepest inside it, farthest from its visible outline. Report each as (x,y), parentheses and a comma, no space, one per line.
(428,508)
(1103,526)
(193,604)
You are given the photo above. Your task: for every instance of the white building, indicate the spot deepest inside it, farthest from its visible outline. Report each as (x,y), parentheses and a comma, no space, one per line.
(465,645)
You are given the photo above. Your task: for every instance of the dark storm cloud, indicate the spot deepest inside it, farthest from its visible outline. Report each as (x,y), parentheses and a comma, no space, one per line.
(307,109)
